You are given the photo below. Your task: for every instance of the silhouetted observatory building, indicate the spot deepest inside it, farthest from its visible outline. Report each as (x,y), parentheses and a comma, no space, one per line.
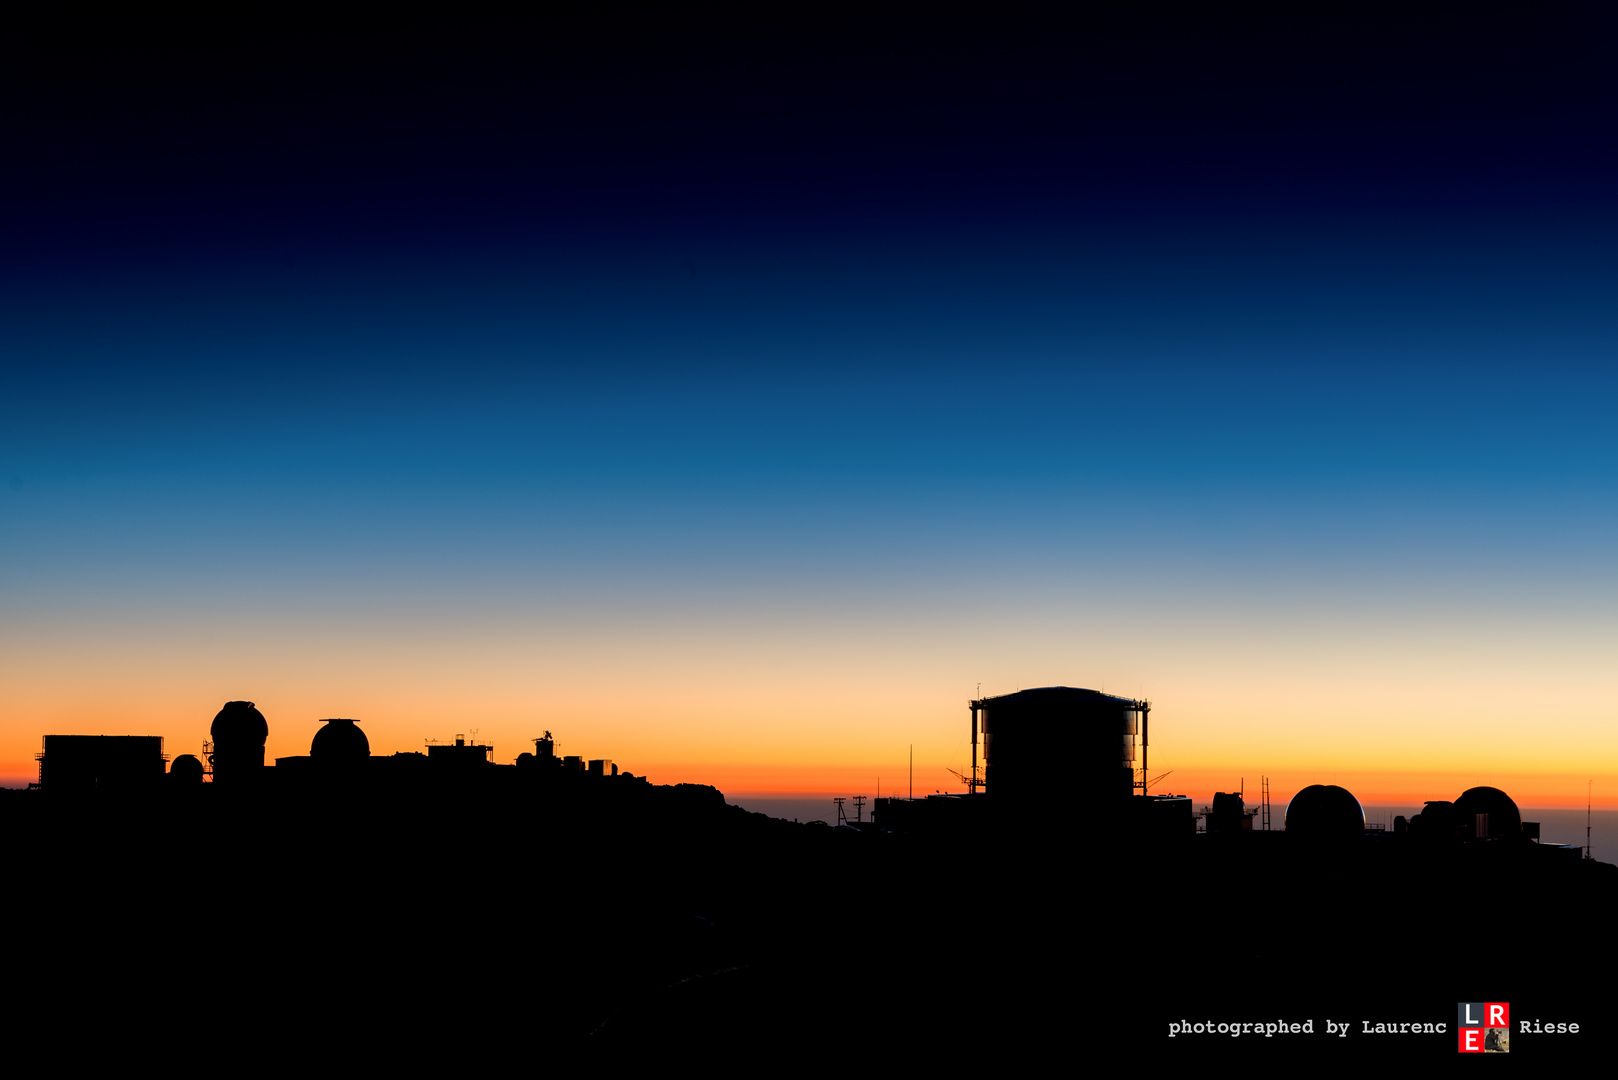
(1325,812)
(1054,743)
(238,735)
(340,765)
(101,762)
(1052,757)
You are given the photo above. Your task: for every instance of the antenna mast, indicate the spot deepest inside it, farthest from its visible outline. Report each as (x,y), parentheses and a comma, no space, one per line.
(1588,788)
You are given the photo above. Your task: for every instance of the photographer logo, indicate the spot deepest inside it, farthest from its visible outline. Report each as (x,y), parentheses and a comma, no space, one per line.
(1484,1027)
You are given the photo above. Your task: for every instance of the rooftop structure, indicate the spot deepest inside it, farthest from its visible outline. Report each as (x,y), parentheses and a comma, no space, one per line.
(100,762)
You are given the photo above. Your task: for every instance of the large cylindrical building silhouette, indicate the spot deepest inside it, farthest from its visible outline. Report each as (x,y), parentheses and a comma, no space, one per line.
(1057,744)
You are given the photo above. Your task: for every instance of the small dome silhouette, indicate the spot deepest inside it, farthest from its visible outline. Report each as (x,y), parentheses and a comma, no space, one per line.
(340,740)
(1437,821)
(1504,818)
(186,770)
(1325,812)
(239,724)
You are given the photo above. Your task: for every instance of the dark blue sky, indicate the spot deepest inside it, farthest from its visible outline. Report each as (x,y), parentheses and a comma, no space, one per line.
(675,314)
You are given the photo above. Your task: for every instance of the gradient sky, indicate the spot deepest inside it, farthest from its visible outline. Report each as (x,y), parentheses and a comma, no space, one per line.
(736,400)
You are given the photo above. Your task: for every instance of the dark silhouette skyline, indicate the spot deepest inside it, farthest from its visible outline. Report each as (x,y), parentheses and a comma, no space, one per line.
(666,918)
(761,372)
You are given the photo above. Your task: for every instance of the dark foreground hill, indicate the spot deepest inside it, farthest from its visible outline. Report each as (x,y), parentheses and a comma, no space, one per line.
(469,927)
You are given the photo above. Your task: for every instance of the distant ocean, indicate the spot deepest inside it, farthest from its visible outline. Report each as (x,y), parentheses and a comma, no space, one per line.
(802,808)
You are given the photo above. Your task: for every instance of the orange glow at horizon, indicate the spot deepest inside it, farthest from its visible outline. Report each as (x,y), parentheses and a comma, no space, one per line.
(711,702)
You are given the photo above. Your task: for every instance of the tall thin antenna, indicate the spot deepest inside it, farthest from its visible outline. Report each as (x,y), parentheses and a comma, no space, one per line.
(912,771)
(1589,787)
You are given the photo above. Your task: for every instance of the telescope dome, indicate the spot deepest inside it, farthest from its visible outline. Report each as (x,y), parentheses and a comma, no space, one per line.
(186,769)
(1500,814)
(239,724)
(1325,812)
(340,740)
